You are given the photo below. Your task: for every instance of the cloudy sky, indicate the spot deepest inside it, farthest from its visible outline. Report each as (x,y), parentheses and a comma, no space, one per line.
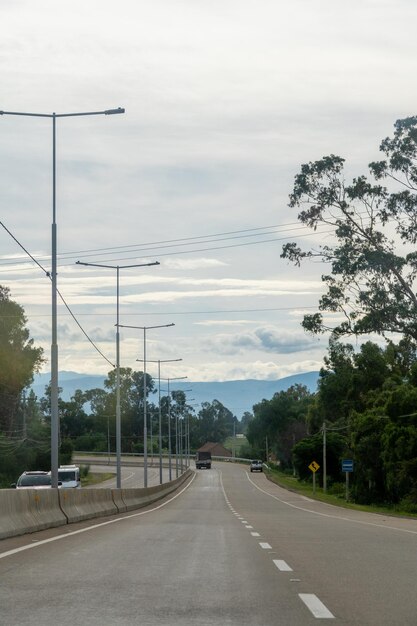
(224,101)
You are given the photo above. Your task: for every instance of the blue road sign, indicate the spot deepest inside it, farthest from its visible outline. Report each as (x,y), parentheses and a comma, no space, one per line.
(347,465)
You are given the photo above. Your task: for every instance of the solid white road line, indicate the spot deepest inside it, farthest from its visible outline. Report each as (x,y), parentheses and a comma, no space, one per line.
(316,606)
(282,566)
(42,542)
(339,517)
(265,546)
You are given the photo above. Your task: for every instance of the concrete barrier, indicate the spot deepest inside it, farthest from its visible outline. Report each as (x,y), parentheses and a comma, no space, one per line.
(81,504)
(117,499)
(138,498)
(134,498)
(29,510)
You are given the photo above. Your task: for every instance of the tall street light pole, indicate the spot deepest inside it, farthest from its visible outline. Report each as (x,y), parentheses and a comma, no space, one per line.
(118,412)
(145,426)
(182,435)
(159,361)
(53,277)
(176,429)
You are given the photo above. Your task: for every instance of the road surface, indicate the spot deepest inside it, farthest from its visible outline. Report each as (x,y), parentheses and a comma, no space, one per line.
(230,548)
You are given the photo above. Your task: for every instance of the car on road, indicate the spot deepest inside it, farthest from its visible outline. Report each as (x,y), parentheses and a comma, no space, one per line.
(256,466)
(33,480)
(69,477)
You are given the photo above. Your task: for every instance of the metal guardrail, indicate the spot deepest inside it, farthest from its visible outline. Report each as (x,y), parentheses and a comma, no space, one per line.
(139,456)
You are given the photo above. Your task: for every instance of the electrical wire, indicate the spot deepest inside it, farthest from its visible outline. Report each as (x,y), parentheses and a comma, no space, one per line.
(58,292)
(112,259)
(174,242)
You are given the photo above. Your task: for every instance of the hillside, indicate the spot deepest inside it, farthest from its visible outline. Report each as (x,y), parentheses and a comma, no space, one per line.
(237,395)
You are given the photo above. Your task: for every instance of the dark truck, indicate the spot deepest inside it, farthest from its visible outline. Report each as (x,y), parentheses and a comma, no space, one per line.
(203,460)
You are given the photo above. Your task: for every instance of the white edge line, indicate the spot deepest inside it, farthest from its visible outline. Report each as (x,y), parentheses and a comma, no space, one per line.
(3,555)
(339,517)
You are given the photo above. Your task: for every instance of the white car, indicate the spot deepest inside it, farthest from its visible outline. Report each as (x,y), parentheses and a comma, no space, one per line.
(256,466)
(33,480)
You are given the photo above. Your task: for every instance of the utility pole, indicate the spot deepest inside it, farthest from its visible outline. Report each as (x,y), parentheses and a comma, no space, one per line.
(324,459)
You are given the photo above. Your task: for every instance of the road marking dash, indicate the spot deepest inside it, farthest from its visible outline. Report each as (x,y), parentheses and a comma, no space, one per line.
(255,534)
(316,606)
(282,566)
(265,546)
(248,526)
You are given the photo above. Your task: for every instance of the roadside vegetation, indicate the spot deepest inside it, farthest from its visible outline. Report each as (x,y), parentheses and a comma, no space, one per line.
(335,495)
(365,406)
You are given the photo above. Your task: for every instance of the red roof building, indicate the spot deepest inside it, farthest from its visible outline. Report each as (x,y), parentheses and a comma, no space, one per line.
(216,449)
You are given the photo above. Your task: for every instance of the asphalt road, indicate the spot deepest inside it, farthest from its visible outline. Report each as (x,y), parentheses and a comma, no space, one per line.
(230,548)
(132,472)
(131,477)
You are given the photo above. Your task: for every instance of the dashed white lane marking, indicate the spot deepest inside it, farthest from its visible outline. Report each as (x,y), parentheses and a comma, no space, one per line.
(282,566)
(255,534)
(265,546)
(316,606)
(248,526)
(244,521)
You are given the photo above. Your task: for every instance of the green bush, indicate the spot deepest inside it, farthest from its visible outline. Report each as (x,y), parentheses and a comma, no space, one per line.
(337,489)
(84,470)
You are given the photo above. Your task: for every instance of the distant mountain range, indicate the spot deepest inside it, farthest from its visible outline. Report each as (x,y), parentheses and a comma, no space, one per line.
(236,395)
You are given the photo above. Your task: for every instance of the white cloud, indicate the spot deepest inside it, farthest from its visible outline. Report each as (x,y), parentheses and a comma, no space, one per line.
(267,339)
(257,370)
(225,322)
(193,264)
(224,101)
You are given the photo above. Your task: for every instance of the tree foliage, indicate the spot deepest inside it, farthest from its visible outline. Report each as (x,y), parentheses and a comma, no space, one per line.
(281,421)
(214,423)
(373,263)
(19,358)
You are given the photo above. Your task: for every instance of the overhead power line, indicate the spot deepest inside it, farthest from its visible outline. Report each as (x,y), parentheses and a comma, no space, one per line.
(155,248)
(58,292)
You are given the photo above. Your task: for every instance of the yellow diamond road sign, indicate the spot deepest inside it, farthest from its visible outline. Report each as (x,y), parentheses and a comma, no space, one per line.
(314,466)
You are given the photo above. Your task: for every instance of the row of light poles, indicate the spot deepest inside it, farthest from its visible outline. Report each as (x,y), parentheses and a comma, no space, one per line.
(53,277)
(159,361)
(54,334)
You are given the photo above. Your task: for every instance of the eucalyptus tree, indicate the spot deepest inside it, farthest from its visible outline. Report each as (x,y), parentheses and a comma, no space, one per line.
(373,262)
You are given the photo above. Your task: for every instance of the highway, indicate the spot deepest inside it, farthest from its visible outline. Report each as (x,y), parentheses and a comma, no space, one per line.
(131,476)
(229,548)
(132,472)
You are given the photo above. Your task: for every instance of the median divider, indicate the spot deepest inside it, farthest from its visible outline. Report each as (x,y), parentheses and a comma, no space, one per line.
(138,498)
(29,510)
(25,511)
(81,504)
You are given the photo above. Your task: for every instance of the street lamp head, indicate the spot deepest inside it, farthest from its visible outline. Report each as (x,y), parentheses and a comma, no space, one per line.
(114,111)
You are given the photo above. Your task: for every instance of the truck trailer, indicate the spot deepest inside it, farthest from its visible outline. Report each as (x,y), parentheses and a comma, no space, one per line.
(203,460)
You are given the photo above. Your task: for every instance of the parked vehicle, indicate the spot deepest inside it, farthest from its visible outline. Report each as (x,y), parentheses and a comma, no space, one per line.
(203,460)
(33,480)
(256,466)
(69,476)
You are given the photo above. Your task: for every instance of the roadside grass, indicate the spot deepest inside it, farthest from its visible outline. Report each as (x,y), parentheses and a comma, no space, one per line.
(306,489)
(95,479)
(238,444)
